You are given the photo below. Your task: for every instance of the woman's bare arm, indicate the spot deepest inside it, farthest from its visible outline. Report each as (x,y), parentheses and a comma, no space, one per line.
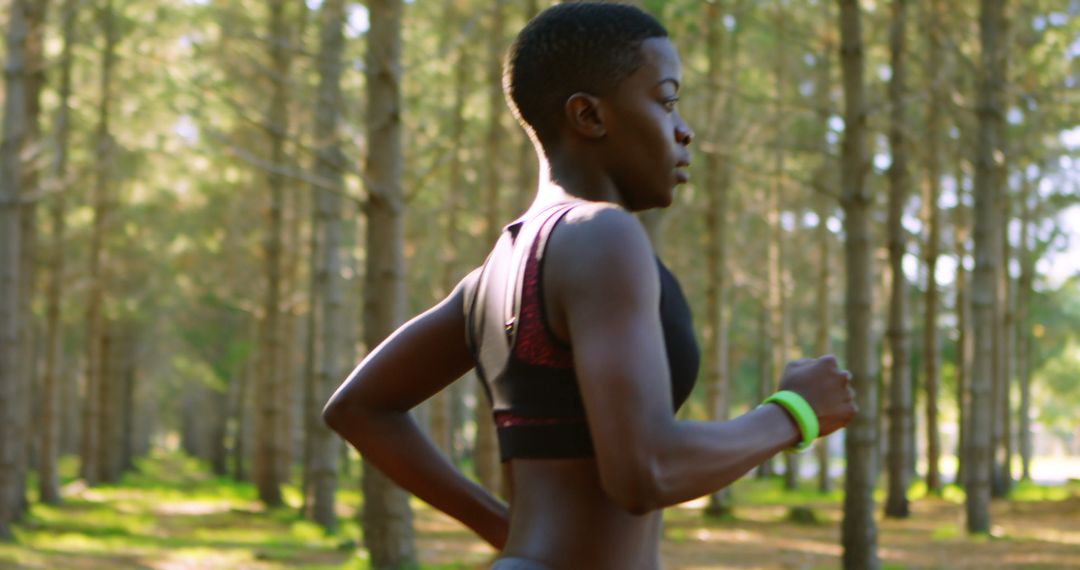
(371,411)
(605,287)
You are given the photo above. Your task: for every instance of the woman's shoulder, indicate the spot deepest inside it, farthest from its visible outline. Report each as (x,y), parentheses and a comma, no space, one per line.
(602,226)
(597,243)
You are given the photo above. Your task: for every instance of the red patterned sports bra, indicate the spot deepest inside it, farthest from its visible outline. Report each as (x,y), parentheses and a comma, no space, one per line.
(527,371)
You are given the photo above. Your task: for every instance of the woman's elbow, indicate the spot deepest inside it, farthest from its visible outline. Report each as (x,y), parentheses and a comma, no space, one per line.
(335,414)
(635,488)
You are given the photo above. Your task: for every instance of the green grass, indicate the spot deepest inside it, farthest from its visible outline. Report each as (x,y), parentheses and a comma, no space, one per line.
(172,509)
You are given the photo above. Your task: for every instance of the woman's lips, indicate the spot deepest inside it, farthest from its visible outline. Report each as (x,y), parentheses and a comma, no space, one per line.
(682,175)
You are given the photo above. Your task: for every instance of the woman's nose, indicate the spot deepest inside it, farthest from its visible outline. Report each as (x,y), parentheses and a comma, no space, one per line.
(684,134)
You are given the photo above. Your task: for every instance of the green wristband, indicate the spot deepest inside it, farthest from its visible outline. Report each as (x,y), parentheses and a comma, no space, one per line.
(804,416)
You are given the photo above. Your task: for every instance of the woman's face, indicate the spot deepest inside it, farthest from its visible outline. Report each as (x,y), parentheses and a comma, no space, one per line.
(647,153)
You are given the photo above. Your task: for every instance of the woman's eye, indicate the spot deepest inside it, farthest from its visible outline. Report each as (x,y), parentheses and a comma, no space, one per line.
(669,103)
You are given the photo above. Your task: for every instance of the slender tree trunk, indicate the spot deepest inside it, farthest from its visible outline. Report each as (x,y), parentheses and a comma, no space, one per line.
(901,414)
(48,476)
(965,339)
(859,529)
(932,219)
(1006,341)
(442,405)
(10,253)
(984,292)
(106,460)
(821,335)
(826,179)
(31,157)
(718,179)
(91,436)
(778,301)
(270,445)
(1024,340)
(765,374)
(324,452)
(244,419)
(386,517)
(486,454)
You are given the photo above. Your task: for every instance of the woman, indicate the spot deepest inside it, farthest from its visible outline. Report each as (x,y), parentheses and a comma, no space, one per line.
(582,337)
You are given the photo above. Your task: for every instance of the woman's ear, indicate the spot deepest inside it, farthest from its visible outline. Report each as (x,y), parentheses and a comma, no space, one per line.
(584,116)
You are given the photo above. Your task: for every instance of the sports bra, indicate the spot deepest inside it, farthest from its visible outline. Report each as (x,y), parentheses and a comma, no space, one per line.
(528,372)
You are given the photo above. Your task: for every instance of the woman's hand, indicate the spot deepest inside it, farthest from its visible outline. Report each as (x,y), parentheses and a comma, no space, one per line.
(826,387)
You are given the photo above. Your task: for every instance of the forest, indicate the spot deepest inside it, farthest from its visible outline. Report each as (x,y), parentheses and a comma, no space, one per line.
(211,210)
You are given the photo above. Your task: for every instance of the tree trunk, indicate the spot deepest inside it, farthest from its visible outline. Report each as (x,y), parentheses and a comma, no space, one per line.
(718,179)
(10,254)
(30,169)
(859,529)
(107,425)
(91,436)
(826,181)
(270,444)
(325,444)
(386,517)
(901,416)
(965,339)
(781,342)
(442,404)
(486,454)
(984,291)
(48,476)
(932,219)
(765,374)
(244,419)
(1024,340)
(1003,480)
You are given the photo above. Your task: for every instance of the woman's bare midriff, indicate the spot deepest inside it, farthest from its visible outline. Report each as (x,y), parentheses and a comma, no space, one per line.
(561,516)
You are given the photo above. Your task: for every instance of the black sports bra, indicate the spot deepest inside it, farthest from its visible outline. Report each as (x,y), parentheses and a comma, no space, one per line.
(528,373)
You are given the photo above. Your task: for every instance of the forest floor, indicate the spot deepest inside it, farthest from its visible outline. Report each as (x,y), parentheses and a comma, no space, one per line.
(173,515)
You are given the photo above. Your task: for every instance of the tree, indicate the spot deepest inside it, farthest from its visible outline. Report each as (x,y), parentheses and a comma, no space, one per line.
(932,220)
(983,288)
(90,468)
(901,415)
(269,446)
(328,169)
(859,529)
(48,477)
(486,453)
(10,180)
(386,517)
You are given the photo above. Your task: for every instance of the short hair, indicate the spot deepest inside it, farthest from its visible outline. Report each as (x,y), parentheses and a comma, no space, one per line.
(568,48)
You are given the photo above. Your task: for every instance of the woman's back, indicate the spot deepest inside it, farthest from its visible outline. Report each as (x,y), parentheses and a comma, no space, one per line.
(561,515)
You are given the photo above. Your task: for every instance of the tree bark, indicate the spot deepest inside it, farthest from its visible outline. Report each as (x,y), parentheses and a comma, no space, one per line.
(859,529)
(48,476)
(486,453)
(718,180)
(325,443)
(442,404)
(1006,340)
(901,416)
(825,180)
(91,436)
(10,254)
(984,291)
(781,341)
(269,446)
(34,69)
(1024,339)
(965,339)
(386,517)
(932,220)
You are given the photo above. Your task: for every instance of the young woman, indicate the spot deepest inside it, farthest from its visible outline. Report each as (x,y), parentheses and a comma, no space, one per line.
(581,335)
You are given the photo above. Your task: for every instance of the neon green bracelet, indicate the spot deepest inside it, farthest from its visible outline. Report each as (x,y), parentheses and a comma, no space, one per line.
(804,416)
